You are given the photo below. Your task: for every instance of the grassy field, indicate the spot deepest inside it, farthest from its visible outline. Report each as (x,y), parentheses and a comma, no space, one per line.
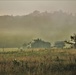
(37,61)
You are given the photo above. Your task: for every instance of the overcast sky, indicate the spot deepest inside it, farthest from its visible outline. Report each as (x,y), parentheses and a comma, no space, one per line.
(26,7)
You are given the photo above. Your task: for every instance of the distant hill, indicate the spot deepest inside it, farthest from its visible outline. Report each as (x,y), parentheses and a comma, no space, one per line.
(15,30)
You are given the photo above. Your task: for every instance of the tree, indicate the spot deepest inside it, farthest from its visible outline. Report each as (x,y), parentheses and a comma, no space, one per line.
(72,42)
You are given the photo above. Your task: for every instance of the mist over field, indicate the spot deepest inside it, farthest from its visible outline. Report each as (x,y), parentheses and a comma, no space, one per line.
(15,30)
(37,37)
(23,21)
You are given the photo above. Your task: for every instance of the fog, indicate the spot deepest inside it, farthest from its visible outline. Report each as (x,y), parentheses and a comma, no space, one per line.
(25,7)
(22,21)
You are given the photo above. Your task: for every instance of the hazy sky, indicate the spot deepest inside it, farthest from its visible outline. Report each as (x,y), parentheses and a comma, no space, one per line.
(12,33)
(25,7)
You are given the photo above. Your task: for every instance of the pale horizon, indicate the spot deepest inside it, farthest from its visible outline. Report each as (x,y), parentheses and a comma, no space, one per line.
(27,7)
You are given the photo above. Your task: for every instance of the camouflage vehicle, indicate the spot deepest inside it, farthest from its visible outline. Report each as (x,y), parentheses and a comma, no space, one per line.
(38,43)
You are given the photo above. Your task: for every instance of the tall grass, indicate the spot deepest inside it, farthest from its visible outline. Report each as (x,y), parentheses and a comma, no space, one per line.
(40,62)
